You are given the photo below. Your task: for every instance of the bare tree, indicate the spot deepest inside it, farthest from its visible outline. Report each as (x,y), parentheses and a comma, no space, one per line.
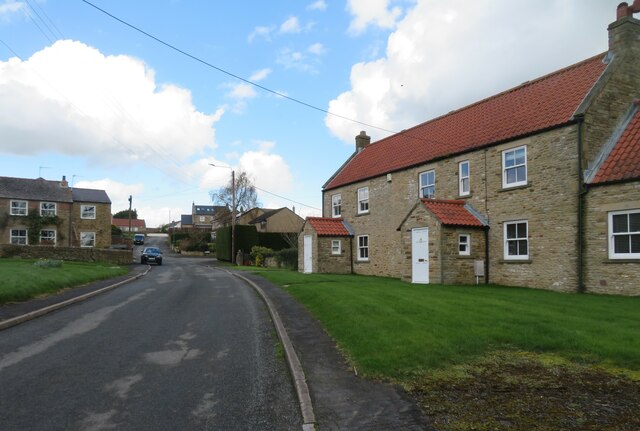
(246,195)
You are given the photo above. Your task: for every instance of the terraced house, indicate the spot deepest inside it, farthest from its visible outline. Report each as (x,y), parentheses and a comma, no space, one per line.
(537,186)
(43,212)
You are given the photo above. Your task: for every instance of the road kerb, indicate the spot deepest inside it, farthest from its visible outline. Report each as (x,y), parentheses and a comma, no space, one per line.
(295,367)
(53,307)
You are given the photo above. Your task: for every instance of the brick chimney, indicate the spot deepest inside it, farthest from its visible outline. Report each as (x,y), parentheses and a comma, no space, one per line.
(362,140)
(625,31)
(64,182)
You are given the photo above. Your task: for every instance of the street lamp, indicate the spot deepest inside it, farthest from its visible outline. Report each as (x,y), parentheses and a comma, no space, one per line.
(233,210)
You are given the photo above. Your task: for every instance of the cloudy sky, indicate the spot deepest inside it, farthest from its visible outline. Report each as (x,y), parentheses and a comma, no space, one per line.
(85,96)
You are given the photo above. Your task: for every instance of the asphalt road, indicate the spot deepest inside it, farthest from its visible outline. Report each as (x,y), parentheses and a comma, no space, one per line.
(185,347)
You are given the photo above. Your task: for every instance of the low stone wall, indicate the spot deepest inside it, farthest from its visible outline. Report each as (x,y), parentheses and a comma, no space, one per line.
(116,257)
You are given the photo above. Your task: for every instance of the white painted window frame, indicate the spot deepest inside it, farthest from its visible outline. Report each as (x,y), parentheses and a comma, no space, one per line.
(462,190)
(82,212)
(505,168)
(363,200)
(25,237)
(336,247)
(93,234)
(336,205)
(54,237)
(363,248)
(613,235)
(424,185)
(466,244)
(19,213)
(508,256)
(44,211)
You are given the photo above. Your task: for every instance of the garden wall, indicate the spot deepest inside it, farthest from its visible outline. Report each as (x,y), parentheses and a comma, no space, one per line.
(116,257)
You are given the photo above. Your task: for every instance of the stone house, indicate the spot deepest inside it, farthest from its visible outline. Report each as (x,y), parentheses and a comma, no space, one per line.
(43,212)
(281,220)
(537,186)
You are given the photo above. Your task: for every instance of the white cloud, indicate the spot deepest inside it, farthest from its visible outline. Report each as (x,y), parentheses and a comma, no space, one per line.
(260,75)
(320,5)
(372,12)
(291,25)
(291,59)
(260,166)
(10,7)
(71,99)
(261,31)
(242,91)
(445,55)
(317,49)
(118,192)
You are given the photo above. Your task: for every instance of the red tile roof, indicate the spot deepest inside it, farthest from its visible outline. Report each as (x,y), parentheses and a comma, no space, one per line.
(451,212)
(533,106)
(623,163)
(328,226)
(124,222)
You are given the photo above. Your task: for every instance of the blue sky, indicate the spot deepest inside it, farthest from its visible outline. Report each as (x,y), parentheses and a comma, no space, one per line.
(85,96)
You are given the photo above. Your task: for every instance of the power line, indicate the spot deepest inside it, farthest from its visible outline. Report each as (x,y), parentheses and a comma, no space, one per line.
(49,19)
(233,75)
(287,199)
(40,18)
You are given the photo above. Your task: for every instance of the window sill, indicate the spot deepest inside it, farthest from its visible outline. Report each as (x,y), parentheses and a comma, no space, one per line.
(464,196)
(614,261)
(363,214)
(362,261)
(509,261)
(464,256)
(508,189)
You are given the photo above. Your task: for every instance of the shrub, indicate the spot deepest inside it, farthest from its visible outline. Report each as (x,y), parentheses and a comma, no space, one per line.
(288,258)
(48,263)
(259,254)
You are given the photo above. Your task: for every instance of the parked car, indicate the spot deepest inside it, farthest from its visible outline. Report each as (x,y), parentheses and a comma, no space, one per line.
(151,254)
(138,238)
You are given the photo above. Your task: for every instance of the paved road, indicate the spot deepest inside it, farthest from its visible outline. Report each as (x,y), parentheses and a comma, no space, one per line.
(185,347)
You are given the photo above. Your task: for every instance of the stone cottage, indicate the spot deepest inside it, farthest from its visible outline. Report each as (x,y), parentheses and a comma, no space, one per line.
(537,186)
(43,212)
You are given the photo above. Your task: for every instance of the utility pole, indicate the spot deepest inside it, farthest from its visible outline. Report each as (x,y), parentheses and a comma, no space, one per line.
(130,199)
(233,216)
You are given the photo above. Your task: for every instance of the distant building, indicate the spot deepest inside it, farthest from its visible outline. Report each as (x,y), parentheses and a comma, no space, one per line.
(137,225)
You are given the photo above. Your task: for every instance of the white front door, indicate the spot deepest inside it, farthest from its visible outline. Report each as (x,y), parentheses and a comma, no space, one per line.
(420,255)
(307,255)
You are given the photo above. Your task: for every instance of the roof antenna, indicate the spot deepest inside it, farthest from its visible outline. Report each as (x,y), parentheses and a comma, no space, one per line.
(40,170)
(73,178)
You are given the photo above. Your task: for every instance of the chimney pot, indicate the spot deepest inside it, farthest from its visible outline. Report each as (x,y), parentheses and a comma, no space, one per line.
(64,182)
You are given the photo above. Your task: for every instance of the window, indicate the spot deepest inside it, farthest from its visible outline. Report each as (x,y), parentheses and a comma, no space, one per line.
(516,242)
(514,167)
(87,239)
(48,236)
(428,184)
(19,236)
(463,178)
(88,211)
(47,209)
(464,244)
(19,208)
(624,234)
(336,247)
(363,247)
(202,218)
(363,200)
(336,205)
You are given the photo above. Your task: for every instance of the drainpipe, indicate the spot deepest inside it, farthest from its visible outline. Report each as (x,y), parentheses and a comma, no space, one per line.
(582,191)
(486,255)
(351,253)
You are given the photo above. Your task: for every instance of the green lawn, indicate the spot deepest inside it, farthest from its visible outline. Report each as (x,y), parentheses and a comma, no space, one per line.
(21,280)
(396,330)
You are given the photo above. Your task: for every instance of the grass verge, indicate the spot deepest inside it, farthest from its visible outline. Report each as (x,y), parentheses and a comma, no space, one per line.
(486,357)
(23,279)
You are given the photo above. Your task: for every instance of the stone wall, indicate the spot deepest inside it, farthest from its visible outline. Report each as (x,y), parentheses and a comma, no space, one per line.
(101,225)
(548,202)
(457,268)
(116,257)
(604,275)
(333,263)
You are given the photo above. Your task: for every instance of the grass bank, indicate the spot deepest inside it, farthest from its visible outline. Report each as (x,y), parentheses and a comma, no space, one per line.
(486,357)
(23,279)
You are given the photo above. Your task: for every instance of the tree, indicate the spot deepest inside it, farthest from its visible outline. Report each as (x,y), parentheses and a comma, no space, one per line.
(246,195)
(125,214)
